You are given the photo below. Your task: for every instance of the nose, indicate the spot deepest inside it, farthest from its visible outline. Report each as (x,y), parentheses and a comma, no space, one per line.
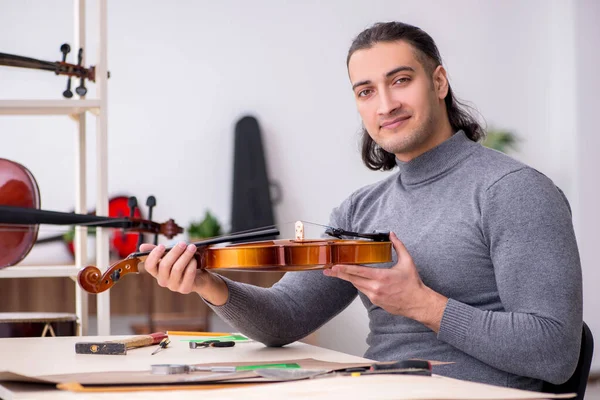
(387,103)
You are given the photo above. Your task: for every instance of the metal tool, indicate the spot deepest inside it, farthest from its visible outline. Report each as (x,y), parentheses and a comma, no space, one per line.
(172,369)
(119,347)
(211,343)
(290,374)
(162,345)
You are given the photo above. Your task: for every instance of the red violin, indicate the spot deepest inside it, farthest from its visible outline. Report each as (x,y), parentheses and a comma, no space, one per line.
(20,215)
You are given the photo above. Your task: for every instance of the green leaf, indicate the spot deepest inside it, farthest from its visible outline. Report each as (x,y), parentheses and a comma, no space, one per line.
(208,227)
(501,140)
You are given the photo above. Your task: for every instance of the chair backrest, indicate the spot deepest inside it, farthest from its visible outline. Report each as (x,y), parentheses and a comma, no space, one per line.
(578,381)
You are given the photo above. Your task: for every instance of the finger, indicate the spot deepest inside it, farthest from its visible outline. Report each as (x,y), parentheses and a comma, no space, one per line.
(165,265)
(357,270)
(401,250)
(151,262)
(179,267)
(144,247)
(339,271)
(189,277)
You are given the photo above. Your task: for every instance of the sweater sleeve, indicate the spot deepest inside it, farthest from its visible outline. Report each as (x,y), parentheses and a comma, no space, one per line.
(527,224)
(295,306)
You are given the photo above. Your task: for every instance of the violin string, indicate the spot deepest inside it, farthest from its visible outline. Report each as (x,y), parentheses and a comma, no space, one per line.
(315,224)
(258,229)
(280,225)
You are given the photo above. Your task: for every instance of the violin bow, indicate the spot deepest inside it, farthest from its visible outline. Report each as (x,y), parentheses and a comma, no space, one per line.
(58,67)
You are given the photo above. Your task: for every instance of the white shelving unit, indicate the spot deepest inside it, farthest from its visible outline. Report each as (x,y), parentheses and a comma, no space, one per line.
(49,107)
(78,110)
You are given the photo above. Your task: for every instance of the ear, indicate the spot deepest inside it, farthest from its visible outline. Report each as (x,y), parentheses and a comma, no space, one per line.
(440,82)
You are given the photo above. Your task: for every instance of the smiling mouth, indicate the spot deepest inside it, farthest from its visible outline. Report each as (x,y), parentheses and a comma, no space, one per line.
(394,123)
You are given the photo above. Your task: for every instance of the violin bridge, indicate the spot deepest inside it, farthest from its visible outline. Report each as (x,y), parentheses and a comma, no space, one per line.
(299,230)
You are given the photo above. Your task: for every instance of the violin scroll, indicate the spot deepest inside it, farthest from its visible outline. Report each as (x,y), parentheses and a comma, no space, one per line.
(92,280)
(170,229)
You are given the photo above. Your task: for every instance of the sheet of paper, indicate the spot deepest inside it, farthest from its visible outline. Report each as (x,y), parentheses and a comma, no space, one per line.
(146,376)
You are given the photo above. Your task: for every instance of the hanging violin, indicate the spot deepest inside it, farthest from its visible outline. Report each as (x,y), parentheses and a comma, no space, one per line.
(58,67)
(20,215)
(121,243)
(273,255)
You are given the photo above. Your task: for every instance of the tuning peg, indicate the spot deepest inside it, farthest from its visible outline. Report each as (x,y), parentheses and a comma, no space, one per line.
(151,202)
(68,93)
(81,90)
(132,203)
(65,49)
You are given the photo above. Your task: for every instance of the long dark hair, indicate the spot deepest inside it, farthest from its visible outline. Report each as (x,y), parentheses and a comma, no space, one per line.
(427,53)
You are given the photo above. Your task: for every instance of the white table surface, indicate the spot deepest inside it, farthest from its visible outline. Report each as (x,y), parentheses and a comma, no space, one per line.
(49,356)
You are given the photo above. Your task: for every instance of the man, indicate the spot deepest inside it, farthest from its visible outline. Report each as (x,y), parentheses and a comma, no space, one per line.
(486,271)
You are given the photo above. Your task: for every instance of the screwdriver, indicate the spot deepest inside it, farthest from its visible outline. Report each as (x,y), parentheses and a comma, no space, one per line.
(162,345)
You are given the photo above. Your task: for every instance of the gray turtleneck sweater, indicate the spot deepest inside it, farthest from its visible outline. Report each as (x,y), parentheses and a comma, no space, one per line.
(491,234)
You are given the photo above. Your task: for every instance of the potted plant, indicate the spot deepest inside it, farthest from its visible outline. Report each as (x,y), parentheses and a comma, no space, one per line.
(501,140)
(206,228)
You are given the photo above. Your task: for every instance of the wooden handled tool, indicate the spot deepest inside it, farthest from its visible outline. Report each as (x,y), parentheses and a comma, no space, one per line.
(119,347)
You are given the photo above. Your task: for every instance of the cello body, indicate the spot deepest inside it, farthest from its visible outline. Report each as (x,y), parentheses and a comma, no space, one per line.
(17,188)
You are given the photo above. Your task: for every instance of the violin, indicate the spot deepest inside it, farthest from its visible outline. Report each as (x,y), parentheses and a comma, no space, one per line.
(283,255)
(20,215)
(121,243)
(58,67)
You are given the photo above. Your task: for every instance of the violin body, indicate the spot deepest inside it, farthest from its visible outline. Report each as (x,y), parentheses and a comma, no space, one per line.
(293,255)
(18,188)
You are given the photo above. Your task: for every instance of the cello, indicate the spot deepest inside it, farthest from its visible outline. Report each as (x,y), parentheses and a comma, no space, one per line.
(283,255)
(20,215)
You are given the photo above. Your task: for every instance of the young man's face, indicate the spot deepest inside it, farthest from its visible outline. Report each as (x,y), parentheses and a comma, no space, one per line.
(400,105)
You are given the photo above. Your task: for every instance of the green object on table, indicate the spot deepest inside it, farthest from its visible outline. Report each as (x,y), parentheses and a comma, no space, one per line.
(235,338)
(262,366)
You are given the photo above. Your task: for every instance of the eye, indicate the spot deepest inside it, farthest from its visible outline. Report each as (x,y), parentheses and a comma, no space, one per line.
(364,92)
(404,79)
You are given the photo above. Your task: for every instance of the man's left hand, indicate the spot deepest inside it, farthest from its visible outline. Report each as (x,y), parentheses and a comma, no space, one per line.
(399,290)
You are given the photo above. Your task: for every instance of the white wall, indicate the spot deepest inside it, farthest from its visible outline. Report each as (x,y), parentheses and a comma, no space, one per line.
(184,72)
(588,162)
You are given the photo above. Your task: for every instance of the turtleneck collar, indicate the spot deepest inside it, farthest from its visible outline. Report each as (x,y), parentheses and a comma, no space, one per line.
(436,161)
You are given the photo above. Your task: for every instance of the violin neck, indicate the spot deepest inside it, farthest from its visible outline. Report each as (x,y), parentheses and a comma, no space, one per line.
(32,216)
(11,60)
(233,238)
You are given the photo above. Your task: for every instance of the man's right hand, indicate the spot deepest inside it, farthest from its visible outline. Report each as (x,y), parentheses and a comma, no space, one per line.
(178,271)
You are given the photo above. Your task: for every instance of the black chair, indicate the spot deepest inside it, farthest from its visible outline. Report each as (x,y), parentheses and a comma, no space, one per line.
(578,381)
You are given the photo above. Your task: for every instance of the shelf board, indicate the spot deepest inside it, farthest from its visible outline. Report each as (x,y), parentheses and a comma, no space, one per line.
(39,271)
(48,107)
